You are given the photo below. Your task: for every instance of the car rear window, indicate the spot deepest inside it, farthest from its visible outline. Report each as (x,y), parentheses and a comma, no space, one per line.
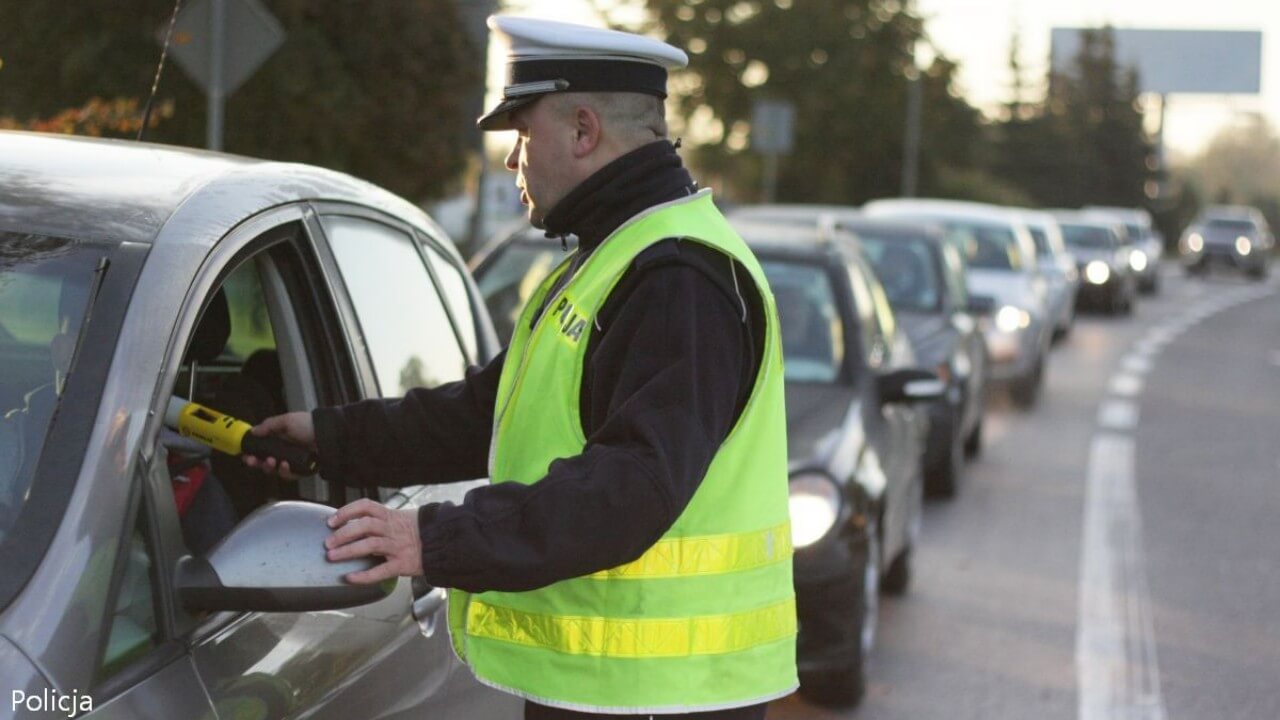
(1088,236)
(45,284)
(986,246)
(1232,226)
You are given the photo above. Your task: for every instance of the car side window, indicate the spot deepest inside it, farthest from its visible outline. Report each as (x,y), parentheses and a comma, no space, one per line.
(871,334)
(409,334)
(134,627)
(454,289)
(953,271)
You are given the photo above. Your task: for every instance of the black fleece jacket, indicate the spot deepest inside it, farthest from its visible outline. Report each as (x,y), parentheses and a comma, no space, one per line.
(670,363)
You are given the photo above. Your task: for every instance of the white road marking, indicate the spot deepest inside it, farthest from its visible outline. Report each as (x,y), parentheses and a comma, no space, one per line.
(1126,385)
(1136,364)
(1116,664)
(1119,415)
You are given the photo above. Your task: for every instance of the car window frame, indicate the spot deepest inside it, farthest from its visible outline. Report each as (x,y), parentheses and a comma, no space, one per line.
(242,243)
(169,646)
(420,238)
(486,341)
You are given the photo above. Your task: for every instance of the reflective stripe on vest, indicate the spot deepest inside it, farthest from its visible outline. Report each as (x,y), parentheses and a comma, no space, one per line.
(707,555)
(638,638)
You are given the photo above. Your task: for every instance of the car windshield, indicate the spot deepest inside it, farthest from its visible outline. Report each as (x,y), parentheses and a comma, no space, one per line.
(809,318)
(986,246)
(511,278)
(907,271)
(44,291)
(1090,237)
(1239,227)
(1041,239)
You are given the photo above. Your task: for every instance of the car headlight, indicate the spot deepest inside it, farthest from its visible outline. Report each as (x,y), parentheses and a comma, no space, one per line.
(1243,246)
(1138,260)
(1097,272)
(815,507)
(1195,243)
(1010,319)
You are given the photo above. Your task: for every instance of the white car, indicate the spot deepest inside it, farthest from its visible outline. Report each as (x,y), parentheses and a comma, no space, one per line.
(1001,265)
(1058,266)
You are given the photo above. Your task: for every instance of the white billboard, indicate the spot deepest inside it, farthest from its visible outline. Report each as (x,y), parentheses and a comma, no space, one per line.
(1177,61)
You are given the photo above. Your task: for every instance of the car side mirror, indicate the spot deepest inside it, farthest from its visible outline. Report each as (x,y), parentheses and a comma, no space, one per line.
(981,304)
(274,561)
(910,386)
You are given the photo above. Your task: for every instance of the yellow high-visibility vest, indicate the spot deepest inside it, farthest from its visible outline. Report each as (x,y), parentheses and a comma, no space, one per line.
(705,618)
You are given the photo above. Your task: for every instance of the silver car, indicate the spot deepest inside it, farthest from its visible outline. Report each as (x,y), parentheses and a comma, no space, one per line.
(1148,243)
(1232,235)
(1104,258)
(1001,266)
(1058,267)
(144,576)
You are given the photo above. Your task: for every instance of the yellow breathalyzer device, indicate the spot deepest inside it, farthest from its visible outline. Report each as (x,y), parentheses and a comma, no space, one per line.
(231,436)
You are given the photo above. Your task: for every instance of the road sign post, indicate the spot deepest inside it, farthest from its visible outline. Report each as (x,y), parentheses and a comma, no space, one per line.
(772,134)
(220,44)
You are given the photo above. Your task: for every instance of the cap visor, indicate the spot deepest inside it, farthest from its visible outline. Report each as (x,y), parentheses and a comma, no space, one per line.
(499,118)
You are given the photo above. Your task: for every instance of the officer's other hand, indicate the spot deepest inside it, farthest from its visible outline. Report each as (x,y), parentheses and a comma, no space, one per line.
(366,528)
(295,427)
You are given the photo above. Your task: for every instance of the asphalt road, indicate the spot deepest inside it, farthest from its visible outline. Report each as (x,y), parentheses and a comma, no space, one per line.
(1114,553)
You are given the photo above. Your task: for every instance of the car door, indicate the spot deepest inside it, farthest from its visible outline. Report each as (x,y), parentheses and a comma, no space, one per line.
(421,324)
(284,349)
(144,668)
(970,363)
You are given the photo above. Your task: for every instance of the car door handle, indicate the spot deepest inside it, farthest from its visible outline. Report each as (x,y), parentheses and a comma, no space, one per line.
(425,606)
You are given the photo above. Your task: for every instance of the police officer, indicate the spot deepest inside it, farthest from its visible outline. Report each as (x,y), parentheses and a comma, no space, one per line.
(632,555)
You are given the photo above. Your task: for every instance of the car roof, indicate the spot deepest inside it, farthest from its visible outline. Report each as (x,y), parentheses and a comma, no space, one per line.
(1088,219)
(122,190)
(783,212)
(773,238)
(928,208)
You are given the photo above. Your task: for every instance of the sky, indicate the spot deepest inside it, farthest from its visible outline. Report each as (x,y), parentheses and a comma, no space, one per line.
(977,34)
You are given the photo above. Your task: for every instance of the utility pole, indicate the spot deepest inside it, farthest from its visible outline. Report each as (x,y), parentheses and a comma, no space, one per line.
(911,143)
(473,14)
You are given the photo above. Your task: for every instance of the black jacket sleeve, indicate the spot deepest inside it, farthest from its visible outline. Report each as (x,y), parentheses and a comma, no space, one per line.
(664,381)
(428,436)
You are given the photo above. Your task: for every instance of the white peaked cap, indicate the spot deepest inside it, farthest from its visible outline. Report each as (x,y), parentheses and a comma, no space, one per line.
(545,56)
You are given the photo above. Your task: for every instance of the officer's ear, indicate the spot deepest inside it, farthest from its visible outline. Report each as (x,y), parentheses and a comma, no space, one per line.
(587,131)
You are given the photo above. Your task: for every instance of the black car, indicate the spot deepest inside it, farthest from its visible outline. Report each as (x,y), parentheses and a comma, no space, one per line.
(923,276)
(855,442)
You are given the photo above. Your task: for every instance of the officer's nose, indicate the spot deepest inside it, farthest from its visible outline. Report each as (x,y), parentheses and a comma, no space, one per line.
(513,157)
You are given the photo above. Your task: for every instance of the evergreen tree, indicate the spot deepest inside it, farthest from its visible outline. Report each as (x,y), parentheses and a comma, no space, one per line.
(844,65)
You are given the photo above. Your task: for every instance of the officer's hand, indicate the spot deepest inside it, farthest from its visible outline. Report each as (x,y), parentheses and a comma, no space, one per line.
(367,528)
(295,427)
